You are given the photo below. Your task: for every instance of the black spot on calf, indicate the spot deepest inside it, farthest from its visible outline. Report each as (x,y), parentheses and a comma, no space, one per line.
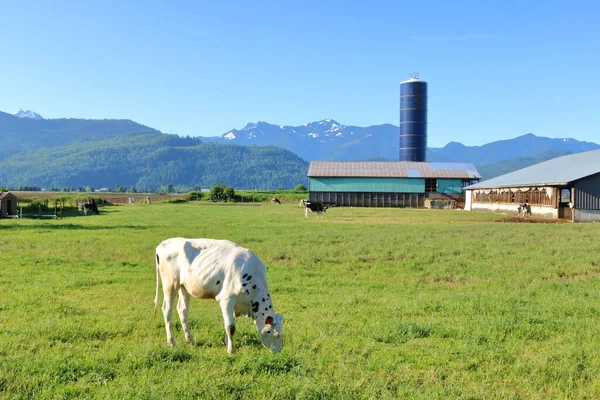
(245,275)
(218,282)
(253,286)
(249,277)
(231,330)
(255,306)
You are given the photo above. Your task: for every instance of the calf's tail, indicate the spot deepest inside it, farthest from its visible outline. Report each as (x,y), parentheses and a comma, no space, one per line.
(157,286)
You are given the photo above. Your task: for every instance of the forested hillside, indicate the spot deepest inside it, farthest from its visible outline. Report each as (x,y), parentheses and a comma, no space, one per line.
(106,153)
(22,134)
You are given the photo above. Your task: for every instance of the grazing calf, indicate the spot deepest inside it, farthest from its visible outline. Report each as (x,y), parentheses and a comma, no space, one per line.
(219,269)
(275,200)
(319,208)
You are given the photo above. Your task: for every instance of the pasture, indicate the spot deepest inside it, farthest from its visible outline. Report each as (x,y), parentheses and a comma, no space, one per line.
(377,303)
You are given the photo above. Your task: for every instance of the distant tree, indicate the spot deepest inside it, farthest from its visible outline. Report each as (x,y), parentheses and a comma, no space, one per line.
(3,189)
(132,190)
(89,189)
(54,189)
(299,187)
(170,188)
(64,189)
(221,193)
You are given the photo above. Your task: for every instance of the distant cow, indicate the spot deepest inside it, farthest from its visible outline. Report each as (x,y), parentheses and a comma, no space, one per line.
(275,200)
(524,209)
(219,269)
(89,207)
(319,208)
(302,203)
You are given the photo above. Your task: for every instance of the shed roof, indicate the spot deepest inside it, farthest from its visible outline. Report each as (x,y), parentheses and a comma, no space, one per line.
(392,169)
(558,171)
(5,194)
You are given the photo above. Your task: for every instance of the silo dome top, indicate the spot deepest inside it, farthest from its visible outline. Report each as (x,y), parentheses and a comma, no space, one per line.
(412,78)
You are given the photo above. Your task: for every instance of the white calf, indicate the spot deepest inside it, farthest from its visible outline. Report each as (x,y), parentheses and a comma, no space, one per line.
(219,269)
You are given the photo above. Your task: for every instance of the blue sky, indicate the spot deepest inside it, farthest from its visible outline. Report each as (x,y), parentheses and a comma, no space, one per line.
(496,69)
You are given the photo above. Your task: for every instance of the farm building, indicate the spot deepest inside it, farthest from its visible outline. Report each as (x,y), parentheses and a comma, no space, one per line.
(8,204)
(388,183)
(566,187)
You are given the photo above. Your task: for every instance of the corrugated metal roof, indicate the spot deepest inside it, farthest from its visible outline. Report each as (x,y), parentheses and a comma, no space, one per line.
(558,171)
(392,169)
(3,194)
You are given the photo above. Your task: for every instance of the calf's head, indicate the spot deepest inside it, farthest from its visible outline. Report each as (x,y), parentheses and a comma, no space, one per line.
(272,333)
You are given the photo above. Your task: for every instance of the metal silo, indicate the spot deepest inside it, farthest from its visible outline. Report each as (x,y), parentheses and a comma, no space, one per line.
(413,119)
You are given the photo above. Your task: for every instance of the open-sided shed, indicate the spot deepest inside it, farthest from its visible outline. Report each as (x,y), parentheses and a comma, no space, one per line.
(566,187)
(8,205)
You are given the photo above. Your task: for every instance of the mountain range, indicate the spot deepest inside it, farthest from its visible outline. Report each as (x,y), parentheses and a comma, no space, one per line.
(100,153)
(330,140)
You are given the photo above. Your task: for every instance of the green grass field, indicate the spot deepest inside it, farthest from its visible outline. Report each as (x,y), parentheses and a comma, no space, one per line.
(377,303)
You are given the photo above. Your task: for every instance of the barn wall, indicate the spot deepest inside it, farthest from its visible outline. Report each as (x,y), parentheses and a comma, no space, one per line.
(586,215)
(587,193)
(368,199)
(370,185)
(468,200)
(449,186)
(511,209)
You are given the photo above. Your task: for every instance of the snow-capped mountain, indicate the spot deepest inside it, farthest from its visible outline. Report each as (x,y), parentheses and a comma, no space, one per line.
(319,140)
(27,114)
(323,129)
(330,140)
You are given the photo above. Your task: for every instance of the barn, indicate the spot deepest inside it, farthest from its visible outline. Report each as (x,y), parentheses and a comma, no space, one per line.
(566,187)
(8,204)
(388,183)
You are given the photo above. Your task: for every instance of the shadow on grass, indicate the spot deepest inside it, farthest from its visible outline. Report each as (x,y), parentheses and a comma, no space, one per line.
(59,227)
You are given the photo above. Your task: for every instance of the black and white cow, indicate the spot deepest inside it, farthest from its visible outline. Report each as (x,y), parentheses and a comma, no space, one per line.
(89,207)
(220,270)
(524,210)
(319,208)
